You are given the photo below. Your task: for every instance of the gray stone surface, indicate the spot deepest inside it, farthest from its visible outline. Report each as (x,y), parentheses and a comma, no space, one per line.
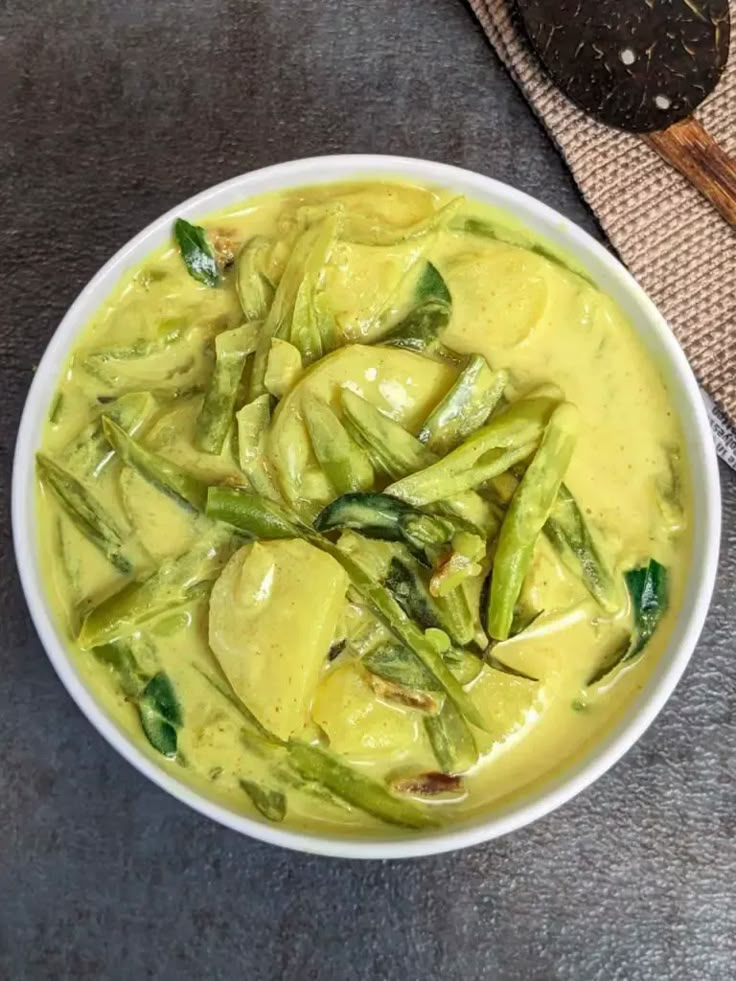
(112,111)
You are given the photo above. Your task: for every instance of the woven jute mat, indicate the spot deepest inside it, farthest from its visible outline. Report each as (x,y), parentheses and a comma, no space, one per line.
(678,248)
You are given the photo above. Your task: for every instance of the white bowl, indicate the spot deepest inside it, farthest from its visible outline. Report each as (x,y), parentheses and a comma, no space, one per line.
(654,332)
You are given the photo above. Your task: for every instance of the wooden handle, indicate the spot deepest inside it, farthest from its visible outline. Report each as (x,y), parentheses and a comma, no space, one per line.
(697,156)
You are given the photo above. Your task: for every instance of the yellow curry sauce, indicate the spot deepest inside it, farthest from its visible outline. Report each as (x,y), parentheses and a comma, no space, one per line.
(278,606)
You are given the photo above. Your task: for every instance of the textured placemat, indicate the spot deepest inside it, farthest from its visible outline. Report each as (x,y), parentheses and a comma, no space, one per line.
(680,250)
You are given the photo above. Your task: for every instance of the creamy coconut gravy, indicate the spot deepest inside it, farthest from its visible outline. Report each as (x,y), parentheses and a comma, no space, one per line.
(251,357)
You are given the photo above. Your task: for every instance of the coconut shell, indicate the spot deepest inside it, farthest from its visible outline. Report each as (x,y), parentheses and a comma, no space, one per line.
(638,65)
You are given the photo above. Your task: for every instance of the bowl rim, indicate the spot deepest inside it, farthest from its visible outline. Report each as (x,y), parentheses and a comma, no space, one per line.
(547,795)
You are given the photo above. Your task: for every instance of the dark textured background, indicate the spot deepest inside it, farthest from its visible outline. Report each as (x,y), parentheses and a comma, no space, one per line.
(111,111)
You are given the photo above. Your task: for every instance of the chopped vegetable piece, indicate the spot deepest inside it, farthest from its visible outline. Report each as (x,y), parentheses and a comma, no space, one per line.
(89,452)
(255,292)
(456,614)
(506,440)
(467,405)
(253,420)
(251,513)
(196,252)
(421,329)
(232,347)
(139,350)
(452,741)
(568,533)
(283,368)
(529,509)
(462,562)
(56,410)
(465,666)
(90,517)
(120,657)
(380,516)
(270,803)
(398,664)
(312,327)
(670,497)
(360,725)
(439,639)
(397,451)
(276,673)
(167,476)
(167,366)
(354,787)
(252,432)
(345,464)
(279,320)
(451,613)
(288,776)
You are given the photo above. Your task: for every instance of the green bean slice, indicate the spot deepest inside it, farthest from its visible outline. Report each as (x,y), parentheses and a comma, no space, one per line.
(529,509)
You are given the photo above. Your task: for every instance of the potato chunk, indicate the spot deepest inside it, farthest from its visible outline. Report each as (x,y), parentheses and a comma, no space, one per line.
(273,614)
(360,725)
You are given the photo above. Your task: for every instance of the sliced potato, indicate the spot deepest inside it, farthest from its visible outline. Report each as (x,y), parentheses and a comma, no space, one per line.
(507,703)
(358,723)
(500,290)
(273,614)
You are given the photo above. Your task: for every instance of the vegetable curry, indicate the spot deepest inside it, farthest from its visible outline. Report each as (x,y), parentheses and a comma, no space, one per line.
(362,509)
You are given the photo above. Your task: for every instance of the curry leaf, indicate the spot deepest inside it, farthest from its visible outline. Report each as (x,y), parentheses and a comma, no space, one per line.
(398,664)
(648,589)
(160,733)
(159,692)
(422,327)
(649,592)
(160,714)
(431,286)
(196,252)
